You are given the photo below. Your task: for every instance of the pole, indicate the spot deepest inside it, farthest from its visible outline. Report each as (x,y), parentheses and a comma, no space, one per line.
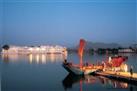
(81,61)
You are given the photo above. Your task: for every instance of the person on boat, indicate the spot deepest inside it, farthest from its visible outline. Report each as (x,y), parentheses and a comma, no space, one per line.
(131,71)
(87,64)
(65,61)
(104,66)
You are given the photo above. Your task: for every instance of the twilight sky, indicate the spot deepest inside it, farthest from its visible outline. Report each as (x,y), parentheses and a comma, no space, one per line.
(64,22)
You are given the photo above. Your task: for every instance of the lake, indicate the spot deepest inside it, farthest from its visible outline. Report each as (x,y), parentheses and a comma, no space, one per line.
(41,72)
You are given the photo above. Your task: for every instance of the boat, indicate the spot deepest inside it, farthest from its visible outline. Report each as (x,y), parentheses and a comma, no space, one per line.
(73,69)
(80,69)
(112,63)
(77,70)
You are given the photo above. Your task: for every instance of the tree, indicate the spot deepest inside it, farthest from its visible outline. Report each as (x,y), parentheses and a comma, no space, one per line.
(6,47)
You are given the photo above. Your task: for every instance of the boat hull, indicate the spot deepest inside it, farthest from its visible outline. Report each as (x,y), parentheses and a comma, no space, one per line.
(77,71)
(73,70)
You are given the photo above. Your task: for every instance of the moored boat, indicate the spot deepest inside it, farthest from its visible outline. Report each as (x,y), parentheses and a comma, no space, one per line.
(80,69)
(84,70)
(73,69)
(111,63)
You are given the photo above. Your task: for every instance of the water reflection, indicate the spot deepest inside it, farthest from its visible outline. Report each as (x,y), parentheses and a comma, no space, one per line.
(71,79)
(44,58)
(112,83)
(33,58)
(28,74)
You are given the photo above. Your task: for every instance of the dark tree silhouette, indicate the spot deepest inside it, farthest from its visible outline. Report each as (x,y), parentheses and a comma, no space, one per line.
(6,47)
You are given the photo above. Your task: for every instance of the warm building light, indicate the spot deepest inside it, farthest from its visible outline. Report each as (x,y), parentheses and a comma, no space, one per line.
(43,49)
(30,49)
(37,49)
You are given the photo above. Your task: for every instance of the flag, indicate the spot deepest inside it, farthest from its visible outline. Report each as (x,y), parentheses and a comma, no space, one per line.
(81,47)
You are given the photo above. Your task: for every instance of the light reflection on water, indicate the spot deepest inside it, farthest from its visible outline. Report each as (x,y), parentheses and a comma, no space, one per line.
(71,80)
(43,58)
(33,58)
(43,72)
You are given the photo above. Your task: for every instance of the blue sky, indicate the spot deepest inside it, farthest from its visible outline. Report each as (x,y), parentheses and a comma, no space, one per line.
(1,15)
(35,22)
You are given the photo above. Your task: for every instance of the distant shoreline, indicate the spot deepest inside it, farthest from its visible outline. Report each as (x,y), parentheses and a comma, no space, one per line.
(107,50)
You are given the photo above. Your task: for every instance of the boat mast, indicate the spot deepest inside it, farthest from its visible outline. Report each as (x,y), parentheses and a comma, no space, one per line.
(80,51)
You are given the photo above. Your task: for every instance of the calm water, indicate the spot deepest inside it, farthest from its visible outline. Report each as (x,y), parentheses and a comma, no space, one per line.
(45,73)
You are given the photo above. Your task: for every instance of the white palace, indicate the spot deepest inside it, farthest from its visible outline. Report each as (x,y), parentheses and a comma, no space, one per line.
(44,49)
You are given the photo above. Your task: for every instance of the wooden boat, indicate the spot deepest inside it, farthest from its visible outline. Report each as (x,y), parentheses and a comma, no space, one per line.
(73,69)
(84,70)
(80,69)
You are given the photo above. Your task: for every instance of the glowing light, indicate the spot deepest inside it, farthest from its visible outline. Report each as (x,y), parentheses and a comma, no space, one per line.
(37,58)
(43,59)
(124,85)
(30,49)
(37,49)
(126,68)
(43,49)
(30,58)
(52,50)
